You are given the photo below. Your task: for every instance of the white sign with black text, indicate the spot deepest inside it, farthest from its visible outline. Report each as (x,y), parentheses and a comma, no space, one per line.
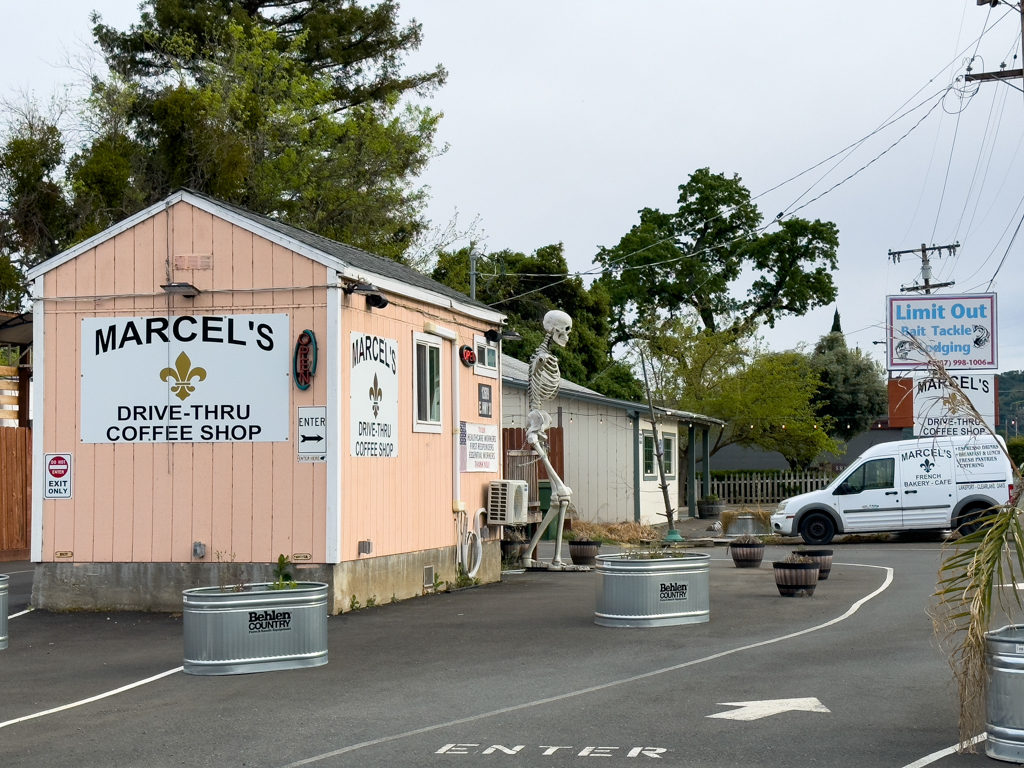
(373,396)
(58,475)
(192,379)
(312,433)
(478,447)
(932,396)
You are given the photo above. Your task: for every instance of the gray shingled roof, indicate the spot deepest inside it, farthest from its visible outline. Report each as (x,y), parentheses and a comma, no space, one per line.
(517,374)
(354,257)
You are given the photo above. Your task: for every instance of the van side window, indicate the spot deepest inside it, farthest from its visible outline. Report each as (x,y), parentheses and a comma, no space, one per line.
(880,473)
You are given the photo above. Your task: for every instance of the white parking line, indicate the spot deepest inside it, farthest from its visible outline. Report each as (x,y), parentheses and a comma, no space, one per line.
(929,759)
(572,694)
(91,699)
(14,573)
(20,613)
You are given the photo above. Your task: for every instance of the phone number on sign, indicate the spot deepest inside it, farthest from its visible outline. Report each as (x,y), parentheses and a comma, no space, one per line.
(968,362)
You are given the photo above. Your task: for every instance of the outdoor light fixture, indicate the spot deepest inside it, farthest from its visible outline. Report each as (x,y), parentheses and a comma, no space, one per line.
(187,290)
(359,288)
(374,298)
(494,336)
(376,301)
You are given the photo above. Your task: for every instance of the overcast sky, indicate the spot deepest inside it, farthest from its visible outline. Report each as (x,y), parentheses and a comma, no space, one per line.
(563,119)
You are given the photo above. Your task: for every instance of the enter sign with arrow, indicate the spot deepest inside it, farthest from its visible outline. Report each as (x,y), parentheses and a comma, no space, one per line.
(755,710)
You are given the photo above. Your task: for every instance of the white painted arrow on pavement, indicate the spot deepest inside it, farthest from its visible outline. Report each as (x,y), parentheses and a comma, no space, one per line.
(755,710)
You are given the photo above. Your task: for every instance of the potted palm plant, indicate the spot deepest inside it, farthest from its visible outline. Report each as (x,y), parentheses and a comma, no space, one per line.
(977,583)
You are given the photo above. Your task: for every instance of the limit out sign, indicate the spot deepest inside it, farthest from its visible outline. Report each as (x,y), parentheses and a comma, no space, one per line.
(57,476)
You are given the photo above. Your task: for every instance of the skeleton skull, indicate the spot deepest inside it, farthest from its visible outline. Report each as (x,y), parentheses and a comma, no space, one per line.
(558,324)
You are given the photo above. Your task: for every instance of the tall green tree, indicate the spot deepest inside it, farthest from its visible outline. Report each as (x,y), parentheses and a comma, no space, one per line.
(853,392)
(767,399)
(297,110)
(505,276)
(689,261)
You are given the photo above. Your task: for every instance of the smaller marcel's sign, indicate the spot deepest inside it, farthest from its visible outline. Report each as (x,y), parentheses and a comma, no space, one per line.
(933,396)
(478,447)
(373,396)
(958,330)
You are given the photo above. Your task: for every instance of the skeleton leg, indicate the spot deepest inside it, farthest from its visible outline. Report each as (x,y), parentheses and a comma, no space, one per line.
(561,494)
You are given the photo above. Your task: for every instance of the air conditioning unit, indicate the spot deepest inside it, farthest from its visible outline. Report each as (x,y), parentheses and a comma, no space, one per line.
(507,502)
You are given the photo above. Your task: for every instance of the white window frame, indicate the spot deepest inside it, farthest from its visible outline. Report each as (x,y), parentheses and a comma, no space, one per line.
(673,455)
(480,368)
(670,473)
(436,342)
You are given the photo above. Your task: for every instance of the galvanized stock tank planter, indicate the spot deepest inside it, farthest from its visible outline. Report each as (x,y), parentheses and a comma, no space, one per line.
(4,584)
(256,630)
(1004,710)
(652,591)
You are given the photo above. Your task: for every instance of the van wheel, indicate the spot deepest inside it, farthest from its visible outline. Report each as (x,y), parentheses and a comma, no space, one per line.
(968,522)
(817,528)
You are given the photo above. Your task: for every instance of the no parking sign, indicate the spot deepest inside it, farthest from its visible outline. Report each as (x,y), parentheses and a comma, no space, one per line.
(58,475)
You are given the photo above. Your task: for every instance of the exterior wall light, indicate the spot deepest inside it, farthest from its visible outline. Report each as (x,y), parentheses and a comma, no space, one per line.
(374,298)
(187,290)
(494,336)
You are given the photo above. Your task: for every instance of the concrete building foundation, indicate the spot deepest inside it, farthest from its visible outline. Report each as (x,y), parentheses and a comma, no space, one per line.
(158,586)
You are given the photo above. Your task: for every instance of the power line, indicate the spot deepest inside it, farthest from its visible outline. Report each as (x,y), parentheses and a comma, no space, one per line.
(1003,260)
(885,124)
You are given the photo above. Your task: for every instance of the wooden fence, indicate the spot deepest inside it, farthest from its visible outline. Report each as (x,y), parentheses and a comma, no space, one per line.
(9,390)
(758,488)
(15,492)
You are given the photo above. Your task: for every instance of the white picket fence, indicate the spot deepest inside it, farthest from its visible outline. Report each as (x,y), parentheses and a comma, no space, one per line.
(756,488)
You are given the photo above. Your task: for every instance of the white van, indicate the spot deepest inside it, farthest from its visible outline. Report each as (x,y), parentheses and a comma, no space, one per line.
(907,485)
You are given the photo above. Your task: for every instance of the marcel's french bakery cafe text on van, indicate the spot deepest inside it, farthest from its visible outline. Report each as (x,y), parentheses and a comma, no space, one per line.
(202,378)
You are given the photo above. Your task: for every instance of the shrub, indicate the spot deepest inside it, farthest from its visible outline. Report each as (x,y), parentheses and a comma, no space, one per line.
(1015,447)
(744,541)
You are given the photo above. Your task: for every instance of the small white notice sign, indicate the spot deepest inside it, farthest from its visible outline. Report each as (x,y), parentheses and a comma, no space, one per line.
(478,447)
(312,433)
(57,475)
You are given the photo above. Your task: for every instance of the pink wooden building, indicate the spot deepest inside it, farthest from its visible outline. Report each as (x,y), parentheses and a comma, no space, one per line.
(215,386)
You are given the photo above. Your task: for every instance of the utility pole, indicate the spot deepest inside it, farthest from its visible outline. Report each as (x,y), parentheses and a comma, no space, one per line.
(1003,73)
(472,272)
(926,266)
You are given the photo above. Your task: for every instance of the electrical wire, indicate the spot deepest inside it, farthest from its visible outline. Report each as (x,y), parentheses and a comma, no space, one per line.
(856,144)
(870,162)
(1003,260)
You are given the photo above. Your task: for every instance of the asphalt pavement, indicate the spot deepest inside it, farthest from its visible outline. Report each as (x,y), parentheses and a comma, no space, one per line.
(515,673)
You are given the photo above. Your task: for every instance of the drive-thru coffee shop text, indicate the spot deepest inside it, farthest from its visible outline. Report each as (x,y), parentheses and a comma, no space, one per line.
(207,378)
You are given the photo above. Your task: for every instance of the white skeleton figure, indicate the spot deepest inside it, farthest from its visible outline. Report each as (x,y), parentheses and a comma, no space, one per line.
(543,387)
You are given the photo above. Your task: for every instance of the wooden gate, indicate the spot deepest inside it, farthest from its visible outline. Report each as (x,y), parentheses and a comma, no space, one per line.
(514,439)
(15,492)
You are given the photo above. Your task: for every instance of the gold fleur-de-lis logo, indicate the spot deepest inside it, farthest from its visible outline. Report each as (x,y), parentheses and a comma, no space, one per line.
(183,373)
(375,396)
